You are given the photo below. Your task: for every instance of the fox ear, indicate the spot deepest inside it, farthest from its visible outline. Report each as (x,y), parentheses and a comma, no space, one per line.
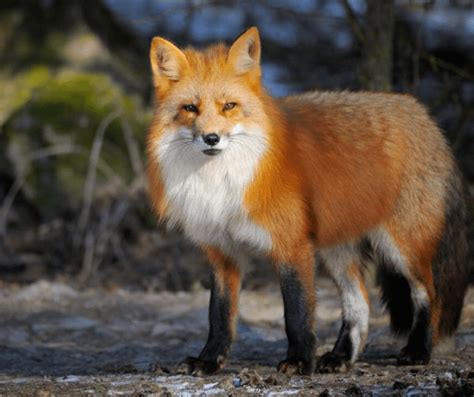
(244,54)
(168,63)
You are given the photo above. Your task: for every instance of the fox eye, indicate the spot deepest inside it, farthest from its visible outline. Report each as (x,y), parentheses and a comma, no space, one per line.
(190,108)
(229,106)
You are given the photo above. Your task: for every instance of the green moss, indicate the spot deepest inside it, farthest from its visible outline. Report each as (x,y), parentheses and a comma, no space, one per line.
(67,109)
(19,90)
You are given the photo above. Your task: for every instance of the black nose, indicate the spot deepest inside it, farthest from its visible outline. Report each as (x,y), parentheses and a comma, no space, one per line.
(211,139)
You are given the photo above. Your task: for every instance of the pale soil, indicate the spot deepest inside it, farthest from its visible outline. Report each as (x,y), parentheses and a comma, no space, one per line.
(55,340)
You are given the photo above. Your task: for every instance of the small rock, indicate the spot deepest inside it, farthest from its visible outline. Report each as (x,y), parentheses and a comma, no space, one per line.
(354,390)
(326,393)
(250,377)
(399,385)
(447,376)
(43,393)
(458,388)
(157,369)
(276,379)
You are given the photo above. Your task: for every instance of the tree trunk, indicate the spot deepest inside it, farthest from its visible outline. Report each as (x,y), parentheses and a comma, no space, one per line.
(375,70)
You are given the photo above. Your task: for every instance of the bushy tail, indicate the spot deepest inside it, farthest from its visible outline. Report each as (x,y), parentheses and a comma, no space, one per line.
(450,269)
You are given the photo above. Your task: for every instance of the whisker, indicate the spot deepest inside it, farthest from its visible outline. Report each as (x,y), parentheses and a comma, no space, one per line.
(238,134)
(182,139)
(179,145)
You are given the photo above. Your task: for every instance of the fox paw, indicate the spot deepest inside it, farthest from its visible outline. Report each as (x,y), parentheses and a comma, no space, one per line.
(295,367)
(331,362)
(197,367)
(413,357)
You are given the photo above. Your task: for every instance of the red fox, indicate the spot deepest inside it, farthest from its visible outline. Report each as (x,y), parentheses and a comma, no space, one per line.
(339,177)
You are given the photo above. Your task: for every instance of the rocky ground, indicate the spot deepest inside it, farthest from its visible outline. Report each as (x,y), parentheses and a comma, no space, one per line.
(56,340)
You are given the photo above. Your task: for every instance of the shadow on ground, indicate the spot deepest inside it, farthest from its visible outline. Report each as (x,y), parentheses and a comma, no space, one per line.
(60,340)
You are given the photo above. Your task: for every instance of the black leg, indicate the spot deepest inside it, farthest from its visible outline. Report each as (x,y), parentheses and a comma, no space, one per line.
(343,346)
(298,299)
(338,360)
(419,346)
(222,316)
(220,334)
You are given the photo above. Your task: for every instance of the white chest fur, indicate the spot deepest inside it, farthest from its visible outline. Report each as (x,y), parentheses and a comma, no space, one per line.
(205,193)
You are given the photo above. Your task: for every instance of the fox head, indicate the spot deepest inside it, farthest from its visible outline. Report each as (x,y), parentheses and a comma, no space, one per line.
(209,101)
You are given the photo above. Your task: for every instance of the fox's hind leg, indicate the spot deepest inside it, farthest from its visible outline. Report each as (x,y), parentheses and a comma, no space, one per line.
(422,251)
(409,293)
(222,316)
(344,265)
(420,340)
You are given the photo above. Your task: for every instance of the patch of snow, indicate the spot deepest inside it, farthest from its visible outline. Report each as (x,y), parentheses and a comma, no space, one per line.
(217,391)
(122,382)
(208,386)
(69,379)
(179,385)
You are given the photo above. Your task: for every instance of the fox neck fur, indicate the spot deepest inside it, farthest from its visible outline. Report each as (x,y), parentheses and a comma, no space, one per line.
(205,194)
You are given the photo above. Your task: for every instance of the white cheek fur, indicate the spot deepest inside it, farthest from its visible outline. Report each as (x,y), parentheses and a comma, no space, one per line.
(205,193)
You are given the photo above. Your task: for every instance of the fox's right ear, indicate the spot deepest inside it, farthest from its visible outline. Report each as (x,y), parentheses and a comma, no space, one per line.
(168,62)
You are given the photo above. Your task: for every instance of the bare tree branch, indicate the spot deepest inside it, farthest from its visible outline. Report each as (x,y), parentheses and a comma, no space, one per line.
(9,199)
(353,21)
(92,170)
(133,148)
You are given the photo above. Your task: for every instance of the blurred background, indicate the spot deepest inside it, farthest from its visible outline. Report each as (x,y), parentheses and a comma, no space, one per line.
(75,103)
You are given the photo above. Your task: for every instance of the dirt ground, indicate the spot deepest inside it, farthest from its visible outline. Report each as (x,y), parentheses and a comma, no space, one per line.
(56,340)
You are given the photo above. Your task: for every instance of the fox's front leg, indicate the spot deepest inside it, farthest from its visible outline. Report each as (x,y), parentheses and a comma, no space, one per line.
(222,315)
(297,287)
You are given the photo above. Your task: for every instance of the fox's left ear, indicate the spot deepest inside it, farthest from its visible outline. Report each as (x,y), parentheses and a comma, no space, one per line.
(244,54)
